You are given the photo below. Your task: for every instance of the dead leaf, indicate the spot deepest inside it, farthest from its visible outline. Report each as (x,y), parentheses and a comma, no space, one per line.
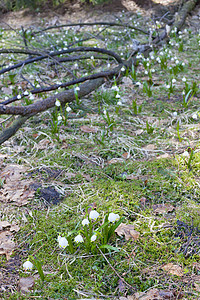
(91,207)
(7,90)
(4,224)
(173,269)
(128,231)
(166,155)
(149,147)
(152,294)
(127,81)
(87,177)
(88,129)
(7,245)
(14,188)
(126,155)
(138,131)
(43,144)
(26,284)
(143,200)
(115,161)
(14,228)
(70,175)
(163,208)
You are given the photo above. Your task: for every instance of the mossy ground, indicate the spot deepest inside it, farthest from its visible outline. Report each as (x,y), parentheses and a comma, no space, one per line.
(97,179)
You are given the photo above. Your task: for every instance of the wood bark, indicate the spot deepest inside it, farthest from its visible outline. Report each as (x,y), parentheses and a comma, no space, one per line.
(89,83)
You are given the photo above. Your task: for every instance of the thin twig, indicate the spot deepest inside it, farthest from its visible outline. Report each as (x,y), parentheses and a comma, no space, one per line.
(120,277)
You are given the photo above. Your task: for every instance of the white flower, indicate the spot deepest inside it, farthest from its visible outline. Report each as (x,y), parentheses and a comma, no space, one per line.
(92,57)
(93,238)
(31,97)
(19,96)
(184,79)
(75,66)
(168,86)
(27,265)
(119,103)
(77,88)
(85,222)
(138,83)
(25,93)
(78,239)
(113,217)
(186,154)
(123,69)
(118,96)
(68,109)
(6,98)
(62,241)
(174,114)
(108,65)
(59,118)
(57,103)
(93,215)
(173,80)
(195,116)
(153,70)
(115,88)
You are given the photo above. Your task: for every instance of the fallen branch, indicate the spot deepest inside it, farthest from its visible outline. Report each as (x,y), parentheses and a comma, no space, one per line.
(88,84)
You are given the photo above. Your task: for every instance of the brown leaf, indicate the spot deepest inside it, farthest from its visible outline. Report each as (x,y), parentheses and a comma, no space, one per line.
(143,200)
(149,147)
(26,284)
(126,155)
(92,206)
(115,160)
(87,177)
(152,294)
(14,228)
(173,269)
(163,208)
(14,188)
(128,231)
(88,129)
(70,175)
(166,155)
(7,245)
(4,224)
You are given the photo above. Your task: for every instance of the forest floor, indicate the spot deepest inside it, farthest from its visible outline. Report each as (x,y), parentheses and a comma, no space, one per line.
(130,148)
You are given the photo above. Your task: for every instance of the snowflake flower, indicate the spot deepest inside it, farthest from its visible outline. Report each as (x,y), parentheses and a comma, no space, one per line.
(78,239)
(113,217)
(68,109)
(118,96)
(85,222)
(57,103)
(77,88)
(28,265)
(93,238)
(59,118)
(93,215)
(62,241)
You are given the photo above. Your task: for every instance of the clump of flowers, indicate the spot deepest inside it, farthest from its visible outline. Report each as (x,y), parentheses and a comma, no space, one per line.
(92,233)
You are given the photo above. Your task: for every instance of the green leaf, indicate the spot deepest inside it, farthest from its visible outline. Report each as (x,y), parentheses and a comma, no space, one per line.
(109,248)
(39,268)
